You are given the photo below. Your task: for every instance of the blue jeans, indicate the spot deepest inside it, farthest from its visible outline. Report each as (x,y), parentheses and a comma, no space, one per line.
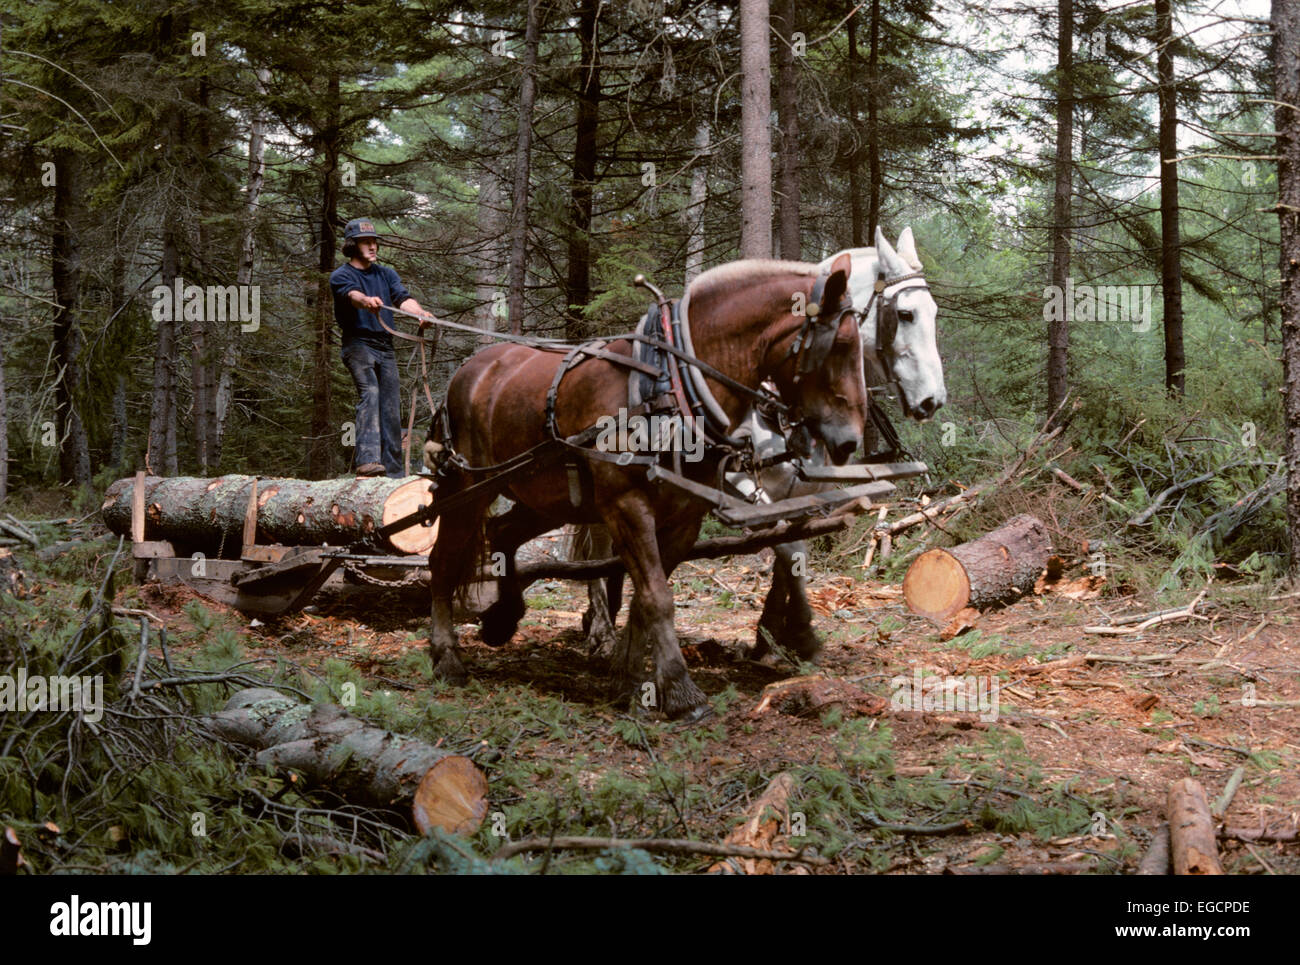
(379,406)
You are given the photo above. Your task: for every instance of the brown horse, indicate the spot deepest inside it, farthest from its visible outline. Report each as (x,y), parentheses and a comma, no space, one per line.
(745,318)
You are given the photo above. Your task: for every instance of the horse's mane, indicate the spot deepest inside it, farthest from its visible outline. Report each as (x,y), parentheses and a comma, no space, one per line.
(742,271)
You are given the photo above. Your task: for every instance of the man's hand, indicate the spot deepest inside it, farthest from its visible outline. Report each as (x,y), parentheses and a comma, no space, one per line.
(426,321)
(369,302)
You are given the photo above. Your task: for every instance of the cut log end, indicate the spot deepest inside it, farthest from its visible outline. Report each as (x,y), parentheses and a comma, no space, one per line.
(405,500)
(998,567)
(936,585)
(451,796)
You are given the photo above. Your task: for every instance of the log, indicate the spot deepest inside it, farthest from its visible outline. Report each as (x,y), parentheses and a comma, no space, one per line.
(1192,846)
(998,566)
(1156,860)
(207,514)
(362,763)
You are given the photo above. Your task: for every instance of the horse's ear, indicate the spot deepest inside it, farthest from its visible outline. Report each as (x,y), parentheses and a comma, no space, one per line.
(838,282)
(894,265)
(907,249)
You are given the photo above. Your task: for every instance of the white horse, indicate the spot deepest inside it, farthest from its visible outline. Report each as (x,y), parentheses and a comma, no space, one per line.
(882,279)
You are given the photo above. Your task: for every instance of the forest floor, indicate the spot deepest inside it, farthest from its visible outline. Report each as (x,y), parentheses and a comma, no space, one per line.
(1071,776)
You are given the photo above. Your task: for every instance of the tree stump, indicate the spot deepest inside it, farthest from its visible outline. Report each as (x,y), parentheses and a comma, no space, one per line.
(209,513)
(998,566)
(362,763)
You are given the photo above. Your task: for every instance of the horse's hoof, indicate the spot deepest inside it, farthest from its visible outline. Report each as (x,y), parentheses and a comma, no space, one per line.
(450,670)
(497,626)
(693,715)
(807,644)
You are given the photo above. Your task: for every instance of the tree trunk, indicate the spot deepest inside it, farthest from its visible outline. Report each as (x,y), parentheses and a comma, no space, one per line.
(873,125)
(247,258)
(523,166)
(854,153)
(4,428)
(4,403)
(206,514)
(998,566)
(578,287)
(788,106)
(493,223)
(324,435)
(118,302)
(755,131)
(363,764)
(699,199)
(1058,327)
(1171,272)
(1286,121)
(74,451)
(202,382)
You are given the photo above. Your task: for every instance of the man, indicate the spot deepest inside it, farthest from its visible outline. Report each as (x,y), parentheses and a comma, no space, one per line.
(360,287)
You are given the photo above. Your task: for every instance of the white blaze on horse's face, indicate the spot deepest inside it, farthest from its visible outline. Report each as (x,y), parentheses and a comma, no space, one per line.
(917,366)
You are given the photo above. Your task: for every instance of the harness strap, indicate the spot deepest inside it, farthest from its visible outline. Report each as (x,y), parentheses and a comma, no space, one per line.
(557,345)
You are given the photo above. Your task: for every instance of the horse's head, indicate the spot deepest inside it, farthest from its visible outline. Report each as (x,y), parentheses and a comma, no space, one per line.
(898,330)
(821,377)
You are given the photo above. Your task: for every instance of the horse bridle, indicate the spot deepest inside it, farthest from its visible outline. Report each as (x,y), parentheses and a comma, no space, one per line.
(887,321)
(812,346)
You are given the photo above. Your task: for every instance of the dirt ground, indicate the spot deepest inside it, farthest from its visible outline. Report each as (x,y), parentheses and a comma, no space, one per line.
(1190,697)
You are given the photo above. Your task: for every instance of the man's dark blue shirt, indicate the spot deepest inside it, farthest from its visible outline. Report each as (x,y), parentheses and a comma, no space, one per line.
(360,323)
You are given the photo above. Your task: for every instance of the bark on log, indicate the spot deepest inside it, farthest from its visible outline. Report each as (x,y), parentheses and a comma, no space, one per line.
(362,763)
(997,566)
(205,513)
(1191,830)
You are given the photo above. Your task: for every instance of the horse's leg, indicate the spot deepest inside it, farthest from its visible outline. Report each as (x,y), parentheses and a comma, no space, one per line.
(451,562)
(500,620)
(675,544)
(771,623)
(604,597)
(632,526)
(797,632)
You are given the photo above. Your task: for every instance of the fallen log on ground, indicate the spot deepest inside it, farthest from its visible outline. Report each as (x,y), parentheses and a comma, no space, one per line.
(204,514)
(1280,835)
(1156,860)
(1191,830)
(998,566)
(760,829)
(362,763)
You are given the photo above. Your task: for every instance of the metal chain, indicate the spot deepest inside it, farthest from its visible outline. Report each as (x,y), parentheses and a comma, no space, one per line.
(355,570)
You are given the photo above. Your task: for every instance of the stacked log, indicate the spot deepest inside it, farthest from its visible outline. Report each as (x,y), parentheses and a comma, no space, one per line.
(208,514)
(998,566)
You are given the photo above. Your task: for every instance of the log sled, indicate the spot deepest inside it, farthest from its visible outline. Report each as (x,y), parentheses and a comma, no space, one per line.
(268,546)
